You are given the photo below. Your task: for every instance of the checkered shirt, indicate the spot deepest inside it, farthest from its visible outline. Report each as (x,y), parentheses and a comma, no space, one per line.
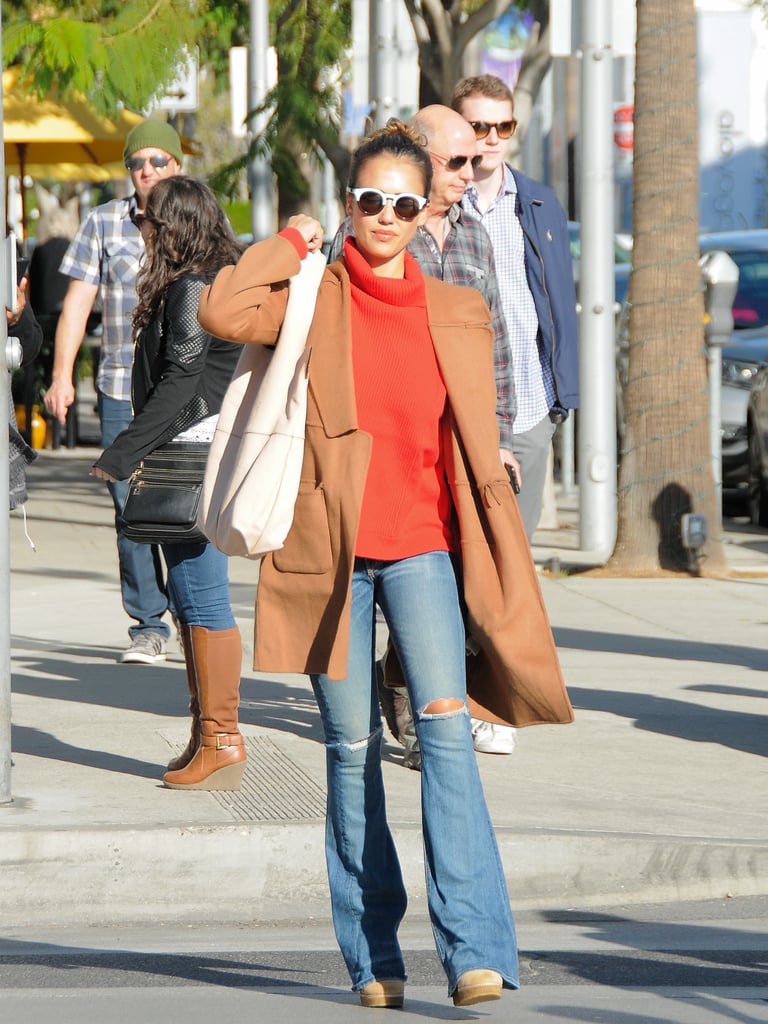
(106,251)
(466,259)
(533,380)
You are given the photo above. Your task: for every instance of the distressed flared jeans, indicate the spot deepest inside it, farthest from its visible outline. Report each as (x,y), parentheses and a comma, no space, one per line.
(467,896)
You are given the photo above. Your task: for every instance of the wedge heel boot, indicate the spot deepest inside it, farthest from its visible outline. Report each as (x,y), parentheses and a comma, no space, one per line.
(194,705)
(219,761)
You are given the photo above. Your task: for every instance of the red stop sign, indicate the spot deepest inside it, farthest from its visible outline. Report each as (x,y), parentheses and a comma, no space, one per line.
(624,126)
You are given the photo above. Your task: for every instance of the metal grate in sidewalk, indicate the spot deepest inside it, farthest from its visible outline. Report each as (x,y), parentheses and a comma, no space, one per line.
(274,788)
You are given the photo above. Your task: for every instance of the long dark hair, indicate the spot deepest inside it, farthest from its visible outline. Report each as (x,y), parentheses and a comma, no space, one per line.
(394,139)
(190,235)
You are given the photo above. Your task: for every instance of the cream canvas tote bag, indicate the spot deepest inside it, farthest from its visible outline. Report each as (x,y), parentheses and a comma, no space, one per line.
(254,468)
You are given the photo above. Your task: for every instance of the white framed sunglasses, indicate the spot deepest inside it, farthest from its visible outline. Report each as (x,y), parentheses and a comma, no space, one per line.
(372,201)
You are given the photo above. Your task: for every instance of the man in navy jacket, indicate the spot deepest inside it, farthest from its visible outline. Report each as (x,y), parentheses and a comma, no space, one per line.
(529,233)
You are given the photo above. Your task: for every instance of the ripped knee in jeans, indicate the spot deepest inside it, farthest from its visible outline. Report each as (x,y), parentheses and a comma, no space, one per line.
(370,740)
(443,706)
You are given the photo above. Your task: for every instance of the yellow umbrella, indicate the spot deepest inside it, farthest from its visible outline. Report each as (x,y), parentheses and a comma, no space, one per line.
(63,139)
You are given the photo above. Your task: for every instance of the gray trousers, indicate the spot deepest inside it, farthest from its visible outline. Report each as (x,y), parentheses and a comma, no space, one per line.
(532,451)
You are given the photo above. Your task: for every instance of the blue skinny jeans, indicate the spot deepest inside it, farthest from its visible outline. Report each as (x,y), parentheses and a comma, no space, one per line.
(198,580)
(466,892)
(141,569)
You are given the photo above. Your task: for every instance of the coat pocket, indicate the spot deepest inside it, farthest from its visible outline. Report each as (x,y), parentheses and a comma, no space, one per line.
(307,547)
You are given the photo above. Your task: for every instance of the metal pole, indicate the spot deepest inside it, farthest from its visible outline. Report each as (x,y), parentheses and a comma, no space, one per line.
(715,372)
(5,532)
(259,168)
(383,50)
(567,460)
(597,416)
(721,276)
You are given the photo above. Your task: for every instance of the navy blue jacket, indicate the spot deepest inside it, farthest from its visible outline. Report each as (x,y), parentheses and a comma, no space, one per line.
(550,278)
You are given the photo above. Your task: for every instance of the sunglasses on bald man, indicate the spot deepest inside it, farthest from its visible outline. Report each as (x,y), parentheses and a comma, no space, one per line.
(455,163)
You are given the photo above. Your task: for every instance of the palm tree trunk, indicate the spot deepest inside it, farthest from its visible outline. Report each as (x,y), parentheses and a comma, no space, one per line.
(666,467)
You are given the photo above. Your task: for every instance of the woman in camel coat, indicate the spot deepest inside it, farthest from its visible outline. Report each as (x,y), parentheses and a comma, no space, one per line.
(403,504)
(302,612)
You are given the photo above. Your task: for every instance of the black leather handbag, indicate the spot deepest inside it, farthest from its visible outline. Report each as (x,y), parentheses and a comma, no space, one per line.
(164,493)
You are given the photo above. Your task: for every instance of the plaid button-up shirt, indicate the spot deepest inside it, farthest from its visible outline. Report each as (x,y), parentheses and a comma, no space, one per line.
(106,251)
(466,259)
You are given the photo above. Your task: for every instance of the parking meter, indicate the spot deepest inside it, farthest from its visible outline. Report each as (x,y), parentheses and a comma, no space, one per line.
(721,279)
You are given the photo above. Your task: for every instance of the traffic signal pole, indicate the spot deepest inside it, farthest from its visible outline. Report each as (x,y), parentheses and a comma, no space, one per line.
(383,61)
(259,166)
(597,344)
(5,531)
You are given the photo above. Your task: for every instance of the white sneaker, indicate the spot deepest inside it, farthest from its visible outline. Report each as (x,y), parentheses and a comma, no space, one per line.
(489,738)
(145,649)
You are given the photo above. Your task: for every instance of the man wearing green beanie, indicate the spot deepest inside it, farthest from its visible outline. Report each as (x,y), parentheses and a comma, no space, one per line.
(157,135)
(104,257)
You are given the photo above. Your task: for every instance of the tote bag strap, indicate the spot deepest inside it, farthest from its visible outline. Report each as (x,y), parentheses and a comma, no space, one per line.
(260,369)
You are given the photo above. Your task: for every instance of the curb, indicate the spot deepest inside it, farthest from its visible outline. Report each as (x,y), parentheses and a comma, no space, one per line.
(240,874)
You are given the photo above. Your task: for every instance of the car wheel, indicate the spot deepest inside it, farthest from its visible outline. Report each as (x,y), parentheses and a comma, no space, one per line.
(758,487)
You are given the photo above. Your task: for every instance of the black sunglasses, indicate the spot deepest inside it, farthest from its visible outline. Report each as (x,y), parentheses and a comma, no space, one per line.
(455,163)
(135,163)
(372,201)
(504,129)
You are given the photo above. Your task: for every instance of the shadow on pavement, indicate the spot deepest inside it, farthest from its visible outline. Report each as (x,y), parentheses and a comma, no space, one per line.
(154,689)
(662,647)
(683,719)
(25,740)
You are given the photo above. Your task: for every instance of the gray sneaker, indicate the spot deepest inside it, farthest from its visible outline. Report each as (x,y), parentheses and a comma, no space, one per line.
(145,649)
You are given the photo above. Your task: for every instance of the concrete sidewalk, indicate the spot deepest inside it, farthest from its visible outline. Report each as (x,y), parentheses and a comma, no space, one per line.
(656,792)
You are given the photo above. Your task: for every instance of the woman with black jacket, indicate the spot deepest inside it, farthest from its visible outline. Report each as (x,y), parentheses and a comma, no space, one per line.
(180,374)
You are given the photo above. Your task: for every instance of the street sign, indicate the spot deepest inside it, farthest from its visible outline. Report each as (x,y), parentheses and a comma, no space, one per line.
(181,95)
(624,127)
(238,90)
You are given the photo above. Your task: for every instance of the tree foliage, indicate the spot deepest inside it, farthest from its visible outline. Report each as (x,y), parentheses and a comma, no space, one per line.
(303,111)
(306,101)
(445,28)
(122,54)
(114,53)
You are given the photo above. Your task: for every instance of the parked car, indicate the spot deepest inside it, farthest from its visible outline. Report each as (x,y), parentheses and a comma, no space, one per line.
(743,356)
(749,251)
(734,454)
(757,448)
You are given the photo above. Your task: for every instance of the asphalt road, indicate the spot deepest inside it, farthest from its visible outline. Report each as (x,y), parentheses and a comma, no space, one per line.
(700,963)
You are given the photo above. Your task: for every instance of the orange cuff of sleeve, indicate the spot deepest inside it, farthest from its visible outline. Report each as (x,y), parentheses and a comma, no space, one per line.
(295,237)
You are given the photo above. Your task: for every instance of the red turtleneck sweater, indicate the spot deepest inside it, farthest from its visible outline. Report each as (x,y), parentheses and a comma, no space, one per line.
(400,398)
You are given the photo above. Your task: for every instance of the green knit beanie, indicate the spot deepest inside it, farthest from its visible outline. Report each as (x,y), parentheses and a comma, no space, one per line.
(153,135)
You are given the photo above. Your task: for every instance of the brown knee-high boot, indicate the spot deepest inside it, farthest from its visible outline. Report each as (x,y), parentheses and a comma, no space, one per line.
(219,760)
(194,706)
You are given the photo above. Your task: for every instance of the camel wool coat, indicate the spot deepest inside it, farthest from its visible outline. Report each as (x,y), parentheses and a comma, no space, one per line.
(304,590)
